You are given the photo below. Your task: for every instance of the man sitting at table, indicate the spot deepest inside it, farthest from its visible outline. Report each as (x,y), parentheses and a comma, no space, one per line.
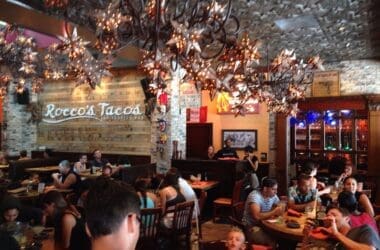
(363,237)
(302,196)
(261,205)
(67,179)
(98,162)
(112,210)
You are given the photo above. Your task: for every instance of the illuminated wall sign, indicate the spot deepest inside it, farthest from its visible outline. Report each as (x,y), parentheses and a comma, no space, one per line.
(100,111)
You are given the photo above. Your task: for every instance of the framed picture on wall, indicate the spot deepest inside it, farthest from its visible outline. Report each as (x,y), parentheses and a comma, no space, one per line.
(240,138)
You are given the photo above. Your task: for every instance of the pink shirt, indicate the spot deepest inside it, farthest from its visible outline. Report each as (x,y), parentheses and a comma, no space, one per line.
(362,219)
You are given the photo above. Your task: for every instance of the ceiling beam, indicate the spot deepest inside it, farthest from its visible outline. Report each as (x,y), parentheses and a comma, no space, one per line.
(40,22)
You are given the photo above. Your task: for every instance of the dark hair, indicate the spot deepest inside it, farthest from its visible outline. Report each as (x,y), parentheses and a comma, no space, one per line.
(93,152)
(344,211)
(108,203)
(56,198)
(171,179)
(107,167)
(347,200)
(141,186)
(10,202)
(302,177)
(308,167)
(23,153)
(349,177)
(248,149)
(269,182)
(85,185)
(48,152)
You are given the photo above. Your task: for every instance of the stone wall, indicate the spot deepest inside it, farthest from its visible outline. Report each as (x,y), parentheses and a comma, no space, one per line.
(358,77)
(18,131)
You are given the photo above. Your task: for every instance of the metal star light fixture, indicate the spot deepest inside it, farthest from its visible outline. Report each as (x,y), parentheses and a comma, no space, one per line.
(199,37)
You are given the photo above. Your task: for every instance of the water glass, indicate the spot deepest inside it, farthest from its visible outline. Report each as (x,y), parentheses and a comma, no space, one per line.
(41,187)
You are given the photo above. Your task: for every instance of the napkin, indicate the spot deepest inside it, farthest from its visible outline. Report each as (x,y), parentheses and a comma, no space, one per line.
(193,178)
(292,212)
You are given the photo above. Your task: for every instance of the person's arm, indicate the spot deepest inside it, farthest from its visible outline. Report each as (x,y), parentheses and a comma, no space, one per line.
(254,165)
(163,200)
(70,180)
(258,215)
(299,207)
(68,223)
(352,245)
(366,204)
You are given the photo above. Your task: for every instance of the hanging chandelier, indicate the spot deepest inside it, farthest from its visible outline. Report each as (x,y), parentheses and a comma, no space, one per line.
(198,37)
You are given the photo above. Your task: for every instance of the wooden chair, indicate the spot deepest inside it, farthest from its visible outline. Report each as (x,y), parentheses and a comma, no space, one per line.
(237,216)
(228,202)
(198,221)
(180,232)
(150,221)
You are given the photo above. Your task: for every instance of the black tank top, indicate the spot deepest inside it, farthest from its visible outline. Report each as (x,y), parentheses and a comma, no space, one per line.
(74,186)
(178,199)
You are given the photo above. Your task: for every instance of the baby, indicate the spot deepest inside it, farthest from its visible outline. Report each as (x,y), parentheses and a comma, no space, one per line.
(235,239)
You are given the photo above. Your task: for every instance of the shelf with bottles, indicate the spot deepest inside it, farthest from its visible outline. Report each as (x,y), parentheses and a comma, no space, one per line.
(361,135)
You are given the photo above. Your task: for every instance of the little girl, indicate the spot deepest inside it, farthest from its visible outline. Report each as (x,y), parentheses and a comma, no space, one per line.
(235,239)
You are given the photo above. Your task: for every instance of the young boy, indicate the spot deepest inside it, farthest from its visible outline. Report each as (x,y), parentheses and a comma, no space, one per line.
(235,239)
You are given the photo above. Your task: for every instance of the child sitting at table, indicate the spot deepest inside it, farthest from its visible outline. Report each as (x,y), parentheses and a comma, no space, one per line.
(235,239)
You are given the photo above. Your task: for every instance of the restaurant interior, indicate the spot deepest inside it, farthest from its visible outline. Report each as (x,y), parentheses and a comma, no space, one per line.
(231,94)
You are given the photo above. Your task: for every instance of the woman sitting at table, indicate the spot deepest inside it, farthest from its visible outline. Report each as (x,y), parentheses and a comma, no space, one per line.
(347,200)
(147,199)
(364,204)
(170,195)
(68,222)
(81,165)
(69,180)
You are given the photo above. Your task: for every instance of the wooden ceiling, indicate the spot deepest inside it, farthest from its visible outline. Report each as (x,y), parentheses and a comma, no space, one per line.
(336,30)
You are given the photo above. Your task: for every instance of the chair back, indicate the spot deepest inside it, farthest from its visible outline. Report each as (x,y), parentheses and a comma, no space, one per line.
(183,214)
(236,192)
(150,220)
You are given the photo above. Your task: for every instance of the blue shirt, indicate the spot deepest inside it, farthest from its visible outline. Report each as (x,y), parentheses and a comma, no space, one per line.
(299,198)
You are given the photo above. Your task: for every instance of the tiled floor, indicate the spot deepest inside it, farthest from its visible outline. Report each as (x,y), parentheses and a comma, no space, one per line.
(211,232)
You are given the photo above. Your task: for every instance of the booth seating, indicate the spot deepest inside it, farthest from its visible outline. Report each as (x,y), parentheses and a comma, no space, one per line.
(130,174)
(112,158)
(17,168)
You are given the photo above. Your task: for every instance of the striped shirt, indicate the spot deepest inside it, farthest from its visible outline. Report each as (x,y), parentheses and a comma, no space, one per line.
(266,205)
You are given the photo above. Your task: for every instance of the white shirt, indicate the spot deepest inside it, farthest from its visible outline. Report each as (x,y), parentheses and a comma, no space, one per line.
(189,194)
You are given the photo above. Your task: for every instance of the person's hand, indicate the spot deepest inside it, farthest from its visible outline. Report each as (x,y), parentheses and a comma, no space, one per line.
(278,211)
(330,225)
(55,176)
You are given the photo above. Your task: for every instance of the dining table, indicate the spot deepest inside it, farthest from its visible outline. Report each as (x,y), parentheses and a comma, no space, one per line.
(203,185)
(4,166)
(279,228)
(45,169)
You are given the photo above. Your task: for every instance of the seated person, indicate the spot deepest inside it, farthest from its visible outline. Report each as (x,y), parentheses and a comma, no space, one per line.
(69,179)
(68,222)
(261,205)
(107,171)
(24,155)
(364,204)
(235,239)
(363,237)
(112,210)
(186,190)
(170,195)
(47,153)
(210,153)
(98,162)
(81,165)
(347,200)
(34,179)
(227,153)
(302,195)
(12,210)
(310,169)
(147,199)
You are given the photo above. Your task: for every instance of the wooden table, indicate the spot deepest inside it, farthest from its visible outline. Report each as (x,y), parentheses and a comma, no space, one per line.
(87,174)
(21,193)
(204,185)
(4,166)
(47,169)
(278,227)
